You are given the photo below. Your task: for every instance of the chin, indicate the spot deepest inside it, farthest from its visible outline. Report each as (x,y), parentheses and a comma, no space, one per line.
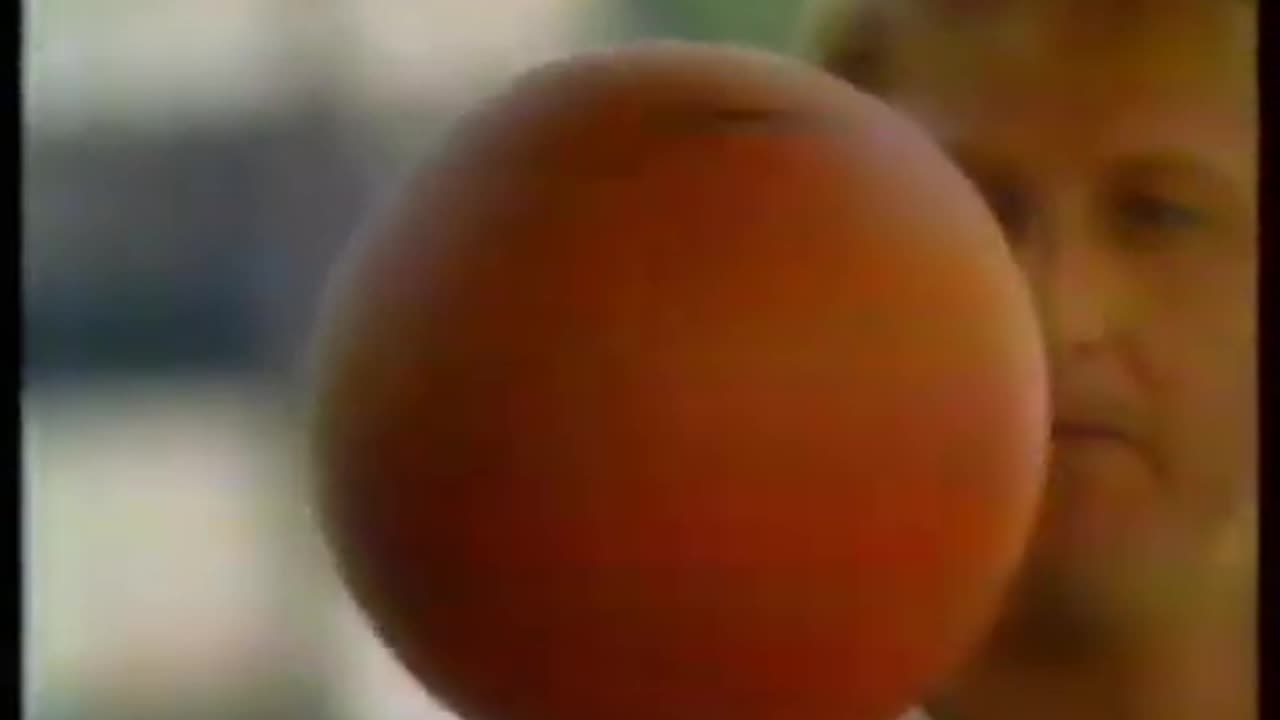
(1058,615)
(1075,597)
(1101,506)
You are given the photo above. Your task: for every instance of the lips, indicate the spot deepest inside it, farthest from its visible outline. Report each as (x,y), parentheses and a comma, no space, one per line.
(1076,430)
(1094,417)
(1079,443)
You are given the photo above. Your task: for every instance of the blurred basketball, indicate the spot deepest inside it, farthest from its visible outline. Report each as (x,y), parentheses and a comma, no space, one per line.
(687,382)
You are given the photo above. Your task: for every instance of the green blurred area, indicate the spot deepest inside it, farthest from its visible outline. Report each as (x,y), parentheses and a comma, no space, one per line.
(762,23)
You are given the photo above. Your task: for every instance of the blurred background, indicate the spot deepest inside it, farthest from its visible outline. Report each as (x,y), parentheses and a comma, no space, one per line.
(191,167)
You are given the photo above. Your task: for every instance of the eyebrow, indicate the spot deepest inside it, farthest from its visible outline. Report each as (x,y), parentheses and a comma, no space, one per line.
(1164,163)
(1175,163)
(981,165)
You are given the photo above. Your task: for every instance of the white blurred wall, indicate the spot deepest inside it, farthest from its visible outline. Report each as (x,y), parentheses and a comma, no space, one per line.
(168,558)
(165,61)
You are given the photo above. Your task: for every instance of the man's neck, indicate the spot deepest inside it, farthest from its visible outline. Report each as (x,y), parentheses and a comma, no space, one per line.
(1184,674)
(1188,652)
(1209,671)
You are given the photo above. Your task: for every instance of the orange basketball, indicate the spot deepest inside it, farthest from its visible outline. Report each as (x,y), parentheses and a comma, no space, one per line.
(687,383)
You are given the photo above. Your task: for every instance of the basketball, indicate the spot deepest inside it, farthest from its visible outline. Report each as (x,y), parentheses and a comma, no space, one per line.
(686,382)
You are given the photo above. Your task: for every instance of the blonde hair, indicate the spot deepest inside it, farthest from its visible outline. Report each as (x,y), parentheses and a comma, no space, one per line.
(855,38)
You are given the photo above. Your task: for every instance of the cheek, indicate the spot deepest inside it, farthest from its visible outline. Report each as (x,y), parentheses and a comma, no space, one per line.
(1195,353)
(1195,326)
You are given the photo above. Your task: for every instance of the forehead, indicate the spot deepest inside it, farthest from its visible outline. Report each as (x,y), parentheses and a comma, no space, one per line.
(1031,80)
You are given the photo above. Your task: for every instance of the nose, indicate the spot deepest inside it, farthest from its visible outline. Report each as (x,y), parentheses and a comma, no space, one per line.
(1071,280)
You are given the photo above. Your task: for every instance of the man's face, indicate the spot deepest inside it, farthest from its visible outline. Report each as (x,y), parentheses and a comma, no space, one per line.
(1121,159)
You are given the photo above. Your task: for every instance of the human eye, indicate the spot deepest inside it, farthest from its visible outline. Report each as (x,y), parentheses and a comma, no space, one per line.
(1145,212)
(1011,207)
(1007,193)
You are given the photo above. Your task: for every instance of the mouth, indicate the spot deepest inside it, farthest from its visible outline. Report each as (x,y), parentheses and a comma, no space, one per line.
(1072,431)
